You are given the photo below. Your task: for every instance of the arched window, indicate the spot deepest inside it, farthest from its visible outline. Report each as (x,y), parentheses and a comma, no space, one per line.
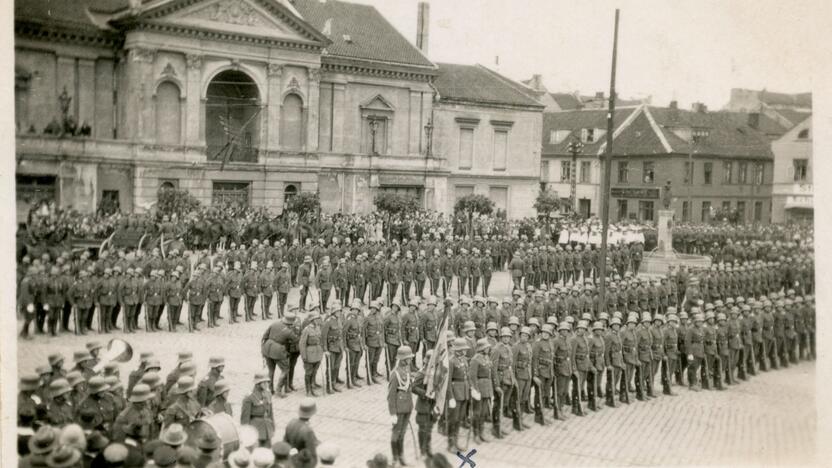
(168,114)
(289,192)
(232,120)
(291,123)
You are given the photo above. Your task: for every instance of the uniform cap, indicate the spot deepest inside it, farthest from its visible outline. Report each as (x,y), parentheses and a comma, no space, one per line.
(74,378)
(483,344)
(59,387)
(492,326)
(526,330)
(615,321)
(564,326)
(514,320)
(469,326)
(404,352)
(505,331)
(260,377)
(141,392)
(307,408)
(184,385)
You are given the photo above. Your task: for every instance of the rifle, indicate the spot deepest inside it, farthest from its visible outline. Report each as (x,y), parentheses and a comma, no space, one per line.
(555,403)
(369,374)
(386,361)
(327,376)
(147,319)
(100,319)
(346,354)
(77,321)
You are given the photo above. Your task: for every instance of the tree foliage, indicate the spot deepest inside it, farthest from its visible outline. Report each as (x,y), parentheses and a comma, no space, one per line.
(474,204)
(176,201)
(304,203)
(546,202)
(396,203)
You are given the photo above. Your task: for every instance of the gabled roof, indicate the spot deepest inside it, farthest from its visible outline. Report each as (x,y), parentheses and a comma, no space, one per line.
(566,101)
(574,122)
(62,13)
(647,130)
(478,85)
(370,35)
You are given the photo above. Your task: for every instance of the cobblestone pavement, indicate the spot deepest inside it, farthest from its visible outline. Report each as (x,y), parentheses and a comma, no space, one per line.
(770,419)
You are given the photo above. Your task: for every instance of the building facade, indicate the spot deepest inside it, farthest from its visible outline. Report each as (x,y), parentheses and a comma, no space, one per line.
(233,100)
(713,161)
(793,174)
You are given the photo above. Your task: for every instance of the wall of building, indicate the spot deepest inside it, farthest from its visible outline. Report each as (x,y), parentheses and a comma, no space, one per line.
(786,190)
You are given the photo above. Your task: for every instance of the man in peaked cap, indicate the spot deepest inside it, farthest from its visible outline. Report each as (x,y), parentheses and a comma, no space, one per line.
(205,390)
(257,410)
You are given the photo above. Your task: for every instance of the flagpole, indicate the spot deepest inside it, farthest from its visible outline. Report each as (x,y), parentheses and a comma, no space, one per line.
(607,169)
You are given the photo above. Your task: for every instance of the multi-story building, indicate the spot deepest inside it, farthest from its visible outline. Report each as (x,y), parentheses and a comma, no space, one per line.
(247,100)
(714,160)
(792,185)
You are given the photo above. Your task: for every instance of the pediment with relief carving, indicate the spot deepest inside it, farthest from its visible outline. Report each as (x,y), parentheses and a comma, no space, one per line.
(250,17)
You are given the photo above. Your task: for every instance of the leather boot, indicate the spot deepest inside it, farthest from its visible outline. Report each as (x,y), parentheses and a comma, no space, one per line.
(497,429)
(593,406)
(394,447)
(483,435)
(402,461)
(515,422)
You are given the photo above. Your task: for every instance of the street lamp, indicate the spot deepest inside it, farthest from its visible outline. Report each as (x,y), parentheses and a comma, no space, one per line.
(373,130)
(574,148)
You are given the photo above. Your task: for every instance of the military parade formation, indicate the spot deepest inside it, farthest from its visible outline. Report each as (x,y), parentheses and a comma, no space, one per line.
(419,314)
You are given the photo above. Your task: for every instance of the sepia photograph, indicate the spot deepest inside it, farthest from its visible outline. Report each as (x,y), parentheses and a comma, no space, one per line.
(426,233)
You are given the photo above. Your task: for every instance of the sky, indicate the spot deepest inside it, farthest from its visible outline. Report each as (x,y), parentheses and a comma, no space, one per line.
(689,51)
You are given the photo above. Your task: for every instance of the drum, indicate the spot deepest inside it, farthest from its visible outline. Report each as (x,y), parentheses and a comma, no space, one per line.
(222,426)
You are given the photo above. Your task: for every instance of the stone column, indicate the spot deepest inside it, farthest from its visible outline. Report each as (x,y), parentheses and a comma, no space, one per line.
(193,101)
(665,228)
(414,125)
(338,97)
(275,84)
(312,109)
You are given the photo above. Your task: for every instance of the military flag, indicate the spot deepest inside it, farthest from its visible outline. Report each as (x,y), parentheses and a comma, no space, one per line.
(436,375)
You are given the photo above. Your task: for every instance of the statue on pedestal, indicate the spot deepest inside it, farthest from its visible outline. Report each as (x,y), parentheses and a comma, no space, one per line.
(667,196)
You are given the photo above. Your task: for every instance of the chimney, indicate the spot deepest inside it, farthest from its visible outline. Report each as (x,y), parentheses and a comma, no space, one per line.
(536,83)
(422,25)
(699,107)
(754,120)
(674,105)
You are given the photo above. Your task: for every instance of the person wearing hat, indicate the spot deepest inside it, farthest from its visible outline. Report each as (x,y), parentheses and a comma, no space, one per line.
(462,315)
(136,419)
(469,334)
(185,407)
(234,286)
(135,376)
(735,345)
(459,391)
(196,293)
(483,380)
(333,345)
(209,450)
(107,297)
(205,389)
(425,417)
(324,278)
(299,434)
(129,296)
(59,410)
(99,405)
(656,347)
(257,409)
(522,358)
(274,346)
(400,400)
(165,456)
(28,290)
(304,274)
(411,330)
(81,296)
(30,405)
(723,350)
(281,451)
(115,389)
(174,295)
(174,436)
(505,384)
(311,350)
(216,285)
(542,373)
(392,335)
(630,350)
(154,295)
(645,355)
(582,366)
(695,344)
(748,322)
(614,358)
(251,289)
(83,364)
(219,403)
(517,267)
(670,365)
(597,355)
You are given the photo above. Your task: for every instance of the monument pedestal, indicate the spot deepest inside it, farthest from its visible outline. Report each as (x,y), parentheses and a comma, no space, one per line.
(663,257)
(665,228)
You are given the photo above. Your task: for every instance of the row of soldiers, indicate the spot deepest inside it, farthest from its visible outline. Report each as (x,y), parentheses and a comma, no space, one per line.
(150,407)
(530,369)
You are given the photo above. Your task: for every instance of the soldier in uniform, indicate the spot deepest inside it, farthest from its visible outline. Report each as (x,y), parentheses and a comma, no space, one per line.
(340,281)
(400,401)
(128,295)
(81,294)
(303,278)
(614,349)
(542,362)
(333,343)
(429,326)
(392,334)
(425,417)
(631,351)
(579,347)
(195,291)
(325,281)
(695,343)
(205,389)
(216,290)
(219,402)
(420,273)
(275,346)
(483,383)
(59,409)
(353,342)
(448,269)
(657,348)
(458,392)
(505,384)
(373,339)
(234,285)
(107,293)
(185,408)
(172,294)
(410,329)
(671,351)
(136,418)
(434,271)
(311,351)
(597,354)
(257,410)
(98,403)
(299,434)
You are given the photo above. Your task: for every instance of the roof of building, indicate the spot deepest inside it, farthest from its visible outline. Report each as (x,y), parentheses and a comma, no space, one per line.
(648,130)
(766,124)
(63,13)
(793,116)
(359,31)
(566,101)
(785,99)
(478,84)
